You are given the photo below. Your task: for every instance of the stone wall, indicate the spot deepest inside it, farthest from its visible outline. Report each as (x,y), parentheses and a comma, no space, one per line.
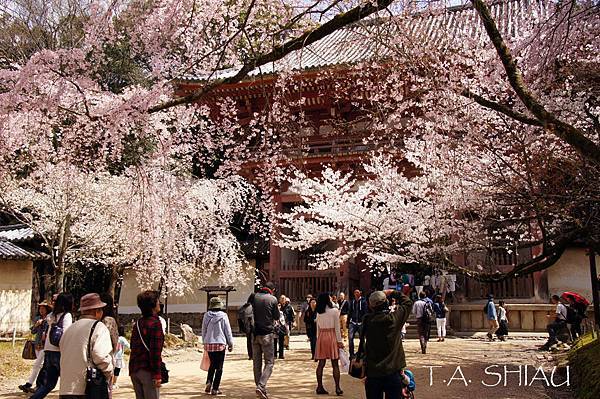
(15,296)
(194,320)
(521,317)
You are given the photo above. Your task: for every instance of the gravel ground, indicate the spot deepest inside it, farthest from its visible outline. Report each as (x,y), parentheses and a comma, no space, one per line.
(452,369)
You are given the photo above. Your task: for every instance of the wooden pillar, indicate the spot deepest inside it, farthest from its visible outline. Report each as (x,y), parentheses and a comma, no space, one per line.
(275,251)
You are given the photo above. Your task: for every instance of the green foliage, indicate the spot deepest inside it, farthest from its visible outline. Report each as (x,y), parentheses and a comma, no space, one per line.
(585,363)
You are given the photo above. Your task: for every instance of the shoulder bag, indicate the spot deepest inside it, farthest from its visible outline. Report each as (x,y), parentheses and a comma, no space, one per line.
(164,372)
(96,386)
(56,331)
(29,350)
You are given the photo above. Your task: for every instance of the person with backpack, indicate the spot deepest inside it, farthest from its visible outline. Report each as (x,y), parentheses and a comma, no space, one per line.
(147,341)
(87,343)
(381,344)
(424,313)
(246,323)
(491,316)
(59,321)
(216,337)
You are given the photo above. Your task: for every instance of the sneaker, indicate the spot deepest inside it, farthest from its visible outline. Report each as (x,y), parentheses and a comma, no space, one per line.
(115,386)
(26,388)
(490,337)
(261,393)
(208,388)
(216,392)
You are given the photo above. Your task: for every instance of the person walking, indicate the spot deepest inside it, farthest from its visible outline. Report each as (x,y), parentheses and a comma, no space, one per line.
(109,319)
(492,317)
(356,310)
(265,312)
(61,317)
(382,344)
(423,311)
(502,330)
(216,337)
(280,331)
(329,341)
(86,342)
(290,319)
(557,322)
(310,316)
(440,309)
(344,309)
(118,357)
(147,341)
(246,323)
(39,328)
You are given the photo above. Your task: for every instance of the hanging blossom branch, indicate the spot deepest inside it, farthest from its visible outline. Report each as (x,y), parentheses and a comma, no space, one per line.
(567,132)
(339,21)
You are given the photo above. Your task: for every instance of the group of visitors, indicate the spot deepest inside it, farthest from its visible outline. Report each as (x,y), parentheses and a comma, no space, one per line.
(87,354)
(262,318)
(564,323)
(497,319)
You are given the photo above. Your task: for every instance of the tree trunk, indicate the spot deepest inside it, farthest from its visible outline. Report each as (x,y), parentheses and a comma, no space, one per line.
(63,240)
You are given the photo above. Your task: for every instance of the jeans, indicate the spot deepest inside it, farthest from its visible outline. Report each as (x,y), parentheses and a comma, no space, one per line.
(263,346)
(423,327)
(553,330)
(280,339)
(353,329)
(215,371)
(143,385)
(312,336)
(390,385)
(249,344)
(51,373)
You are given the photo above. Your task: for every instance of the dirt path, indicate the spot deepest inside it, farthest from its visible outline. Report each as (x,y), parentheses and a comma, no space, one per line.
(294,377)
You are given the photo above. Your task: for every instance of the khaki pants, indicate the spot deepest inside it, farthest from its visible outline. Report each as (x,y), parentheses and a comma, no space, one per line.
(493,324)
(344,326)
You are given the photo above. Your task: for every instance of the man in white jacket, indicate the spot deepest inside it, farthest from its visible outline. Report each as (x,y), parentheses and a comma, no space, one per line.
(74,349)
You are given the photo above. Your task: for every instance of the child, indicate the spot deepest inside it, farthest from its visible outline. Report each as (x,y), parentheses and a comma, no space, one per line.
(502,331)
(121,345)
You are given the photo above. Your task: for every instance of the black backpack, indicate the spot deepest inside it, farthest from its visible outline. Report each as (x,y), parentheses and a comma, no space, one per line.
(246,318)
(428,311)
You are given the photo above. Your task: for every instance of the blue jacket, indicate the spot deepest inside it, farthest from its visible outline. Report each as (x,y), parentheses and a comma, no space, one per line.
(491,311)
(216,329)
(357,310)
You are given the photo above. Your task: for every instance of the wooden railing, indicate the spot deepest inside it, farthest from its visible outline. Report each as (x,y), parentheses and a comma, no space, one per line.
(516,287)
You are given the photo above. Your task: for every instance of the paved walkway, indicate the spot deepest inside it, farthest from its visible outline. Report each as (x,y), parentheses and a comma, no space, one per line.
(294,377)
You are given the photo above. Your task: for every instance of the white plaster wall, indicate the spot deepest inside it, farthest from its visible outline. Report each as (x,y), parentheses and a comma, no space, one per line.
(193,301)
(15,295)
(571,273)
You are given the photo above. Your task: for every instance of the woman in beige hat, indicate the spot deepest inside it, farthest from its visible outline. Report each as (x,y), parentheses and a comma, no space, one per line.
(216,337)
(39,328)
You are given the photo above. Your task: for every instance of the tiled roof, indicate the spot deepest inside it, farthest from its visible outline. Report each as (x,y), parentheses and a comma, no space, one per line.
(16,233)
(362,41)
(10,251)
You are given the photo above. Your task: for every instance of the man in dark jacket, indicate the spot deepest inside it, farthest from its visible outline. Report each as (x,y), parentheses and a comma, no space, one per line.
(383,343)
(265,313)
(356,311)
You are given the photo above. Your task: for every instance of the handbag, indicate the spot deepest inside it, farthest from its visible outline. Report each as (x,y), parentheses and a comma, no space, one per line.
(96,386)
(56,331)
(344,361)
(29,350)
(205,364)
(164,372)
(358,367)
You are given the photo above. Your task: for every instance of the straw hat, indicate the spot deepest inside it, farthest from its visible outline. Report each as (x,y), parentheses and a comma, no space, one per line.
(216,304)
(90,301)
(46,304)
